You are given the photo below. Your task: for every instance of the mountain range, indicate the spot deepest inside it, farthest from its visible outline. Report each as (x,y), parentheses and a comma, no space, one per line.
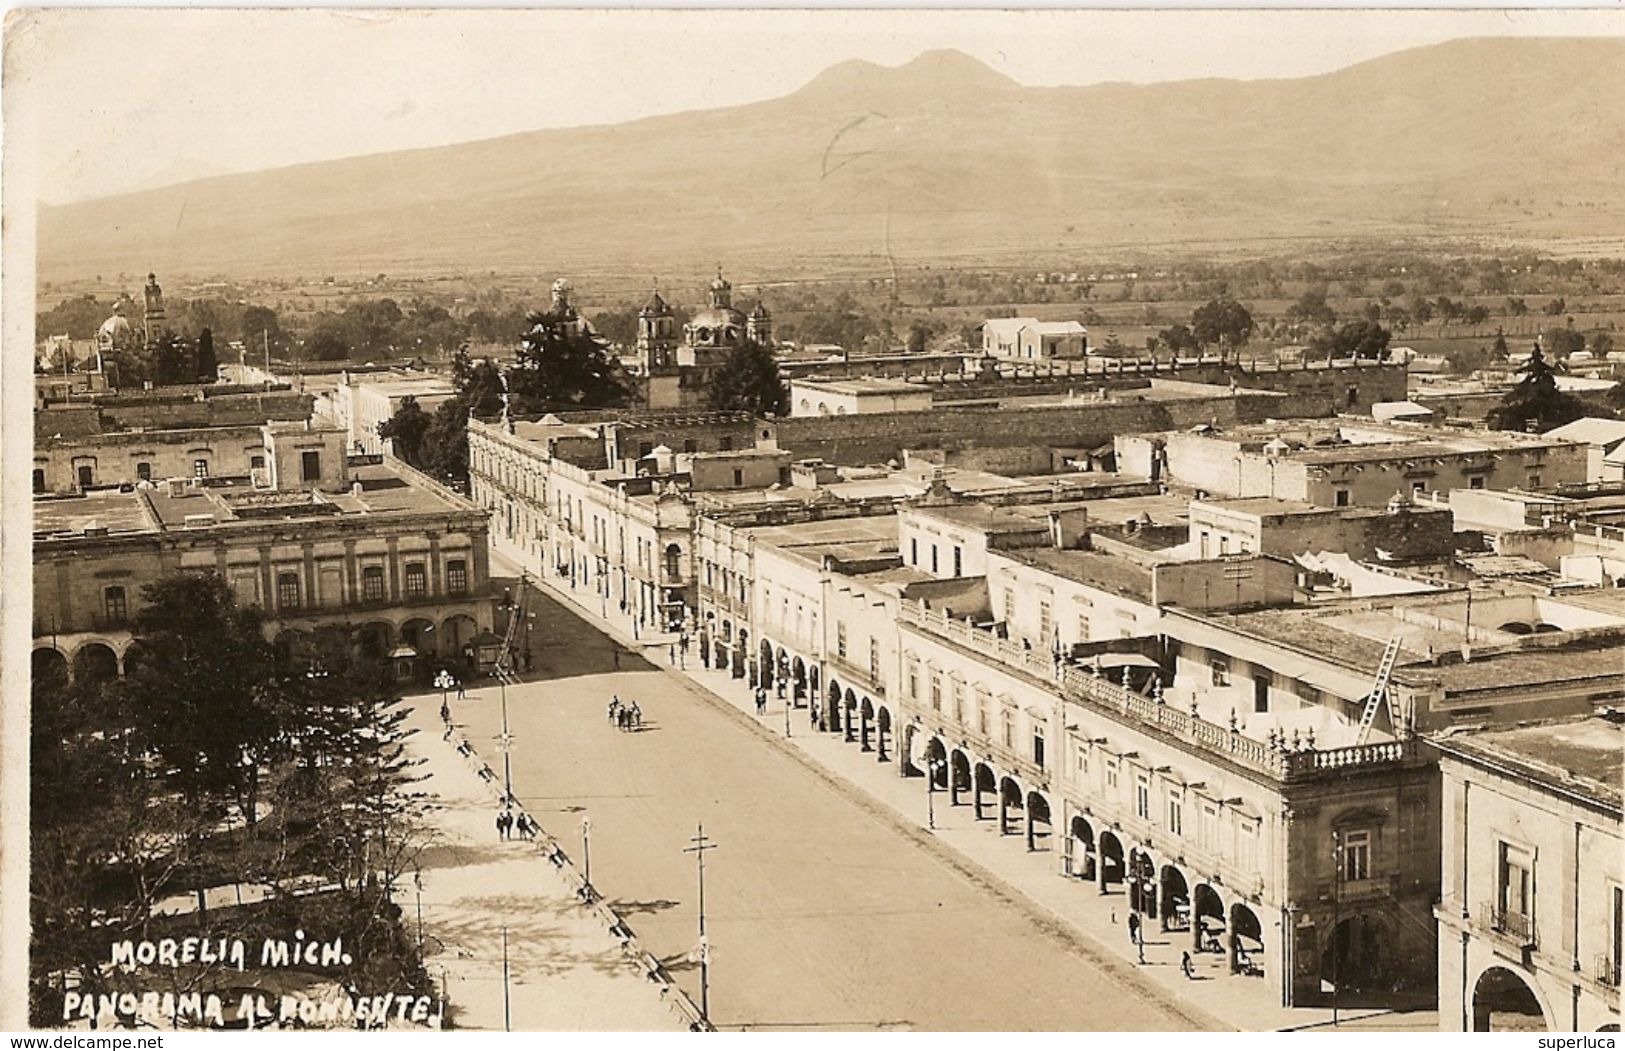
(1502,140)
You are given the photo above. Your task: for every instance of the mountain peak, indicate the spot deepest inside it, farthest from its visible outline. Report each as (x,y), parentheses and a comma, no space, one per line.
(942,70)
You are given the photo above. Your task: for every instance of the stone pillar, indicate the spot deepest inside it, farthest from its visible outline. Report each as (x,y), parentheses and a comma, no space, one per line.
(436,581)
(394,569)
(309,550)
(352,572)
(1100,865)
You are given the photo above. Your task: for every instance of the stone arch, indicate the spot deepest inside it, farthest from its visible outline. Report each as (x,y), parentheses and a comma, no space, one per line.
(1506,1001)
(1113,865)
(1207,918)
(1174,894)
(95,662)
(866,716)
(48,667)
(766,665)
(1246,940)
(1142,880)
(834,714)
(849,713)
(742,655)
(457,634)
(936,763)
(1357,953)
(983,779)
(1040,826)
(1011,796)
(419,633)
(1085,852)
(883,730)
(959,775)
(798,680)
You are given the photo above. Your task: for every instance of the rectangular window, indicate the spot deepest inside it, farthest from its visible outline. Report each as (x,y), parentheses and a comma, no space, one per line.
(1111,774)
(958,562)
(984,713)
(690,445)
(1142,796)
(39,480)
(1083,627)
(372,583)
(1224,545)
(1007,728)
(1261,691)
(1514,881)
(1221,671)
(874,660)
(1616,931)
(1038,746)
(725,444)
(1176,814)
(287,590)
(1207,827)
(1009,605)
(1419,487)
(936,692)
(113,602)
(933,558)
(1340,498)
(1046,621)
(739,477)
(143,471)
(1082,761)
(200,468)
(1355,863)
(840,639)
(913,679)
(913,550)
(1475,482)
(310,466)
(1246,845)
(87,476)
(417,581)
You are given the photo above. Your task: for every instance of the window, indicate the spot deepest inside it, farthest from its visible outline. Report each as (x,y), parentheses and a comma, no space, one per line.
(1419,487)
(287,590)
(1224,545)
(1111,774)
(936,692)
(1082,760)
(310,466)
(725,444)
(840,639)
(1046,621)
(39,480)
(1514,881)
(958,562)
(1142,796)
(933,558)
(1083,627)
(1475,481)
(1038,745)
(1355,864)
(1616,931)
(1221,671)
(1534,481)
(1247,845)
(143,471)
(1207,826)
(739,476)
(984,713)
(200,468)
(1340,498)
(87,476)
(417,581)
(874,660)
(113,603)
(1007,728)
(914,680)
(690,445)
(913,550)
(1176,813)
(1009,604)
(1261,691)
(372,583)
(959,702)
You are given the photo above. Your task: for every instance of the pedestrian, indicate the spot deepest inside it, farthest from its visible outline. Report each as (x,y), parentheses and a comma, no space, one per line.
(1134,927)
(461,693)
(502,824)
(614,709)
(1187,966)
(623,718)
(637,715)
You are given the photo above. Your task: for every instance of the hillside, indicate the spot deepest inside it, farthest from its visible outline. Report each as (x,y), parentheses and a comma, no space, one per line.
(1502,139)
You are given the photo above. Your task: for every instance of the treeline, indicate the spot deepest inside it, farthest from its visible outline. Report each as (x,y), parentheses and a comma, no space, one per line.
(219,760)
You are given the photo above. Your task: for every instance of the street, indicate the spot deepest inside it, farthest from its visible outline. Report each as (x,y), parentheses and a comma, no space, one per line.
(822,911)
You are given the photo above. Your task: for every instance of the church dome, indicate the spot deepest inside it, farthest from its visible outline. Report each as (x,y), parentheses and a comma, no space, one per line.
(114,328)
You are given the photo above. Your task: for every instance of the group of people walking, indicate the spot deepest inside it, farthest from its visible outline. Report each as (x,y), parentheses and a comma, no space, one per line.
(625,716)
(516,826)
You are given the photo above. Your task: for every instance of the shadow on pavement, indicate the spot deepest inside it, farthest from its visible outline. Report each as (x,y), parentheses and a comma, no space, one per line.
(633,908)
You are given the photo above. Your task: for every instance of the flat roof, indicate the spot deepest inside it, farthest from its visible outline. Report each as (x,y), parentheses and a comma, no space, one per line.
(1585,756)
(117,512)
(1022,518)
(1265,505)
(1106,572)
(829,531)
(863,385)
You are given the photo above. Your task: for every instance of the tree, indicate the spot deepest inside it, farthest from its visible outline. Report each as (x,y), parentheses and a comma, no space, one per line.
(171,361)
(1536,404)
(1517,307)
(1311,309)
(1555,307)
(1179,338)
(1223,321)
(749,381)
(1562,342)
(327,341)
(563,366)
(1357,339)
(208,366)
(1499,351)
(405,431)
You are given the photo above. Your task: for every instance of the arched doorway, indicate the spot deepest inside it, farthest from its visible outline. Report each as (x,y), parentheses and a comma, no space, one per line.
(984,781)
(375,640)
(959,776)
(1176,900)
(798,676)
(49,668)
(135,654)
(1038,822)
(882,732)
(1353,957)
(741,654)
(95,662)
(1010,798)
(419,633)
(1246,941)
(765,669)
(1207,919)
(866,715)
(291,645)
(936,761)
(849,714)
(833,716)
(1142,883)
(1113,868)
(457,639)
(1084,858)
(1504,1002)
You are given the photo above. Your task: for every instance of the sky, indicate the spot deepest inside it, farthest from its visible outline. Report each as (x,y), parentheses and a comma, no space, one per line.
(113,100)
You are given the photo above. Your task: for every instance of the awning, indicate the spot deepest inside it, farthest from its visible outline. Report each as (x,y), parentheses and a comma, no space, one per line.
(403,651)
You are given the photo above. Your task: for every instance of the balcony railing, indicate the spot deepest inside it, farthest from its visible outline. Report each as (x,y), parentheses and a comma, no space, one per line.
(1517,926)
(1083,687)
(1608,970)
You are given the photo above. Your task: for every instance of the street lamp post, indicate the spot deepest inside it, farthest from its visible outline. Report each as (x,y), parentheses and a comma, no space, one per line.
(444,682)
(586,851)
(931,768)
(702,843)
(507,746)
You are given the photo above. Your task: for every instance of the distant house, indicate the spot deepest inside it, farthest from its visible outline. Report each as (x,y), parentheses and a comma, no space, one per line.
(1029,339)
(1605,442)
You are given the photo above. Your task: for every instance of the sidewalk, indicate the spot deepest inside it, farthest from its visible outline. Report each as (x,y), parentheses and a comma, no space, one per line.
(567,971)
(1247,1004)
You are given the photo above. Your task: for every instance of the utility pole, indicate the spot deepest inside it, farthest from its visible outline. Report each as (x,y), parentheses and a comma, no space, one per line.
(507,745)
(1337,950)
(702,843)
(507,1015)
(586,852)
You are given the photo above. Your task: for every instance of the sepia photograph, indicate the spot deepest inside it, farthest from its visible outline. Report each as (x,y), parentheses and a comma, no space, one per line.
(813,521)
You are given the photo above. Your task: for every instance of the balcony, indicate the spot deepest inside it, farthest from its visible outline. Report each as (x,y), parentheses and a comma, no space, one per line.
(1514,926)
(1349,891)
(858,672)
(1607,971)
